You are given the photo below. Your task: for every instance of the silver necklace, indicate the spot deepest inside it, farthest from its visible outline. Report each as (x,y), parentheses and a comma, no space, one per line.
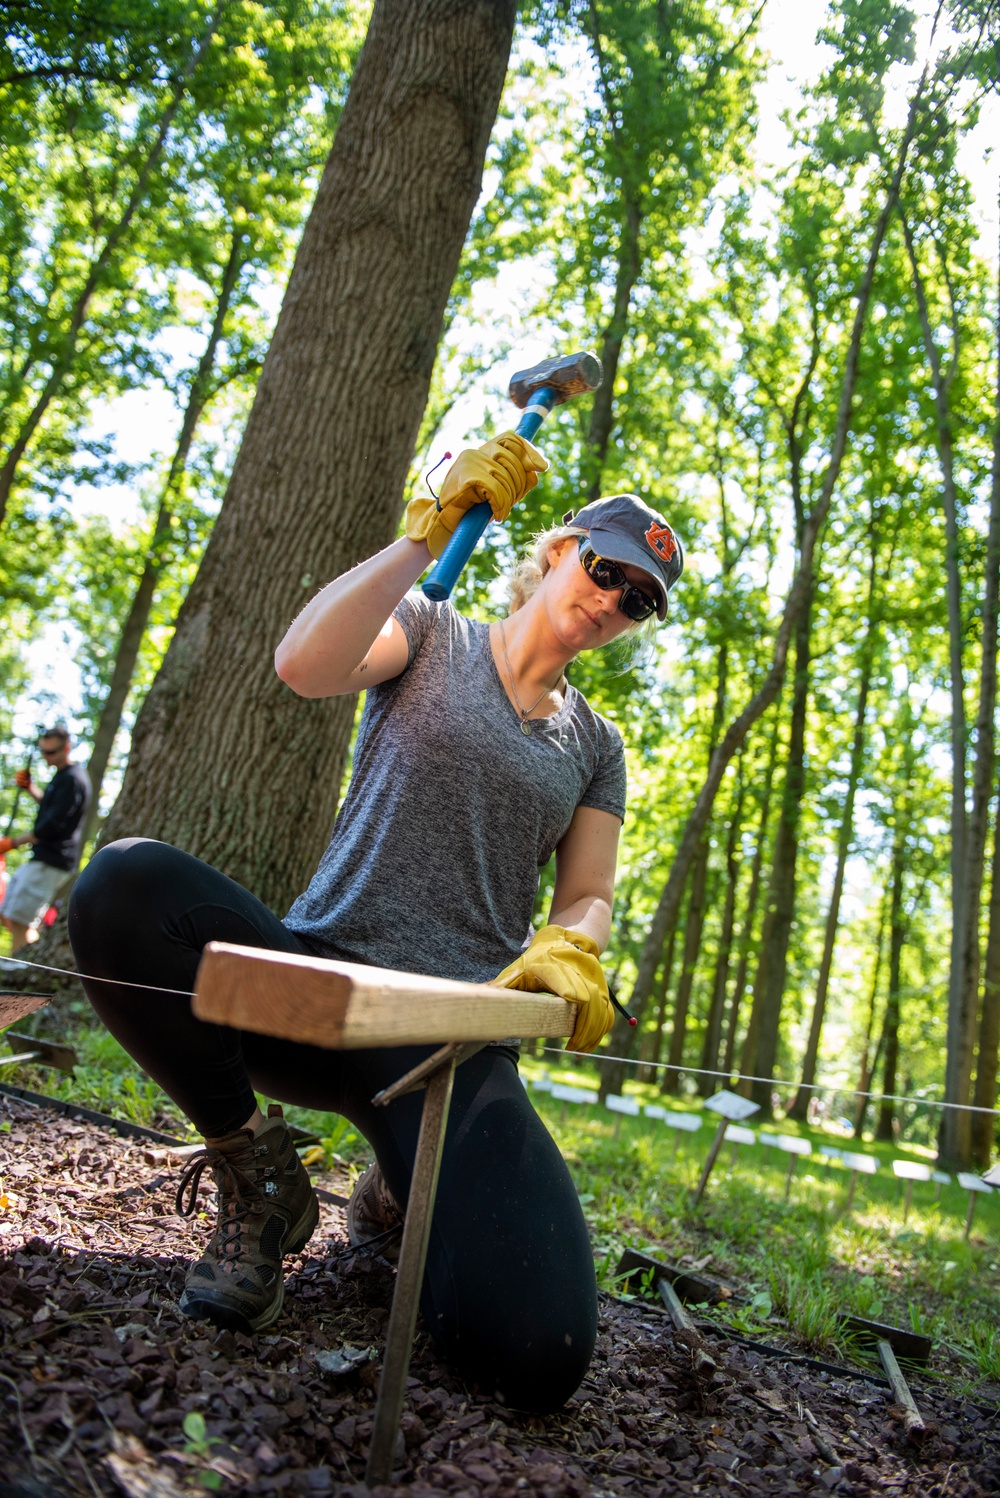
(524,711)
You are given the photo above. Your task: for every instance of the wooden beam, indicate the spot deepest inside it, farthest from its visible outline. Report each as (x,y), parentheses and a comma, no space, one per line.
(345,1006)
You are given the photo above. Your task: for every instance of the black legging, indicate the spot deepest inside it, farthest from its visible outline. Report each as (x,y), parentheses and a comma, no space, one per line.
(509,1293)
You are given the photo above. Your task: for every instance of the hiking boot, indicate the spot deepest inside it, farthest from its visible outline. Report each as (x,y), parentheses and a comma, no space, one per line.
(267,1208)
(374,1221)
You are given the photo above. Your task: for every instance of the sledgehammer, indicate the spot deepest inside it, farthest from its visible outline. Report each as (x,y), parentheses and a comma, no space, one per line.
(534,391)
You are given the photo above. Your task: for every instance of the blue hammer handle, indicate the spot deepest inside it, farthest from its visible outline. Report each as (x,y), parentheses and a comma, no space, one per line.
(465,538)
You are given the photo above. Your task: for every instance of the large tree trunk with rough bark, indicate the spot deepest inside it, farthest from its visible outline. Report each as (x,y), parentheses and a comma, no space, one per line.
(226,762)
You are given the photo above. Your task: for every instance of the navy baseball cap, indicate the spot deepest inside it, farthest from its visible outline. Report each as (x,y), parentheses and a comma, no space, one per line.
(624,529)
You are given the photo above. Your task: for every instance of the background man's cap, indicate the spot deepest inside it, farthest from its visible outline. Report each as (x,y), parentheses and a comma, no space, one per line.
(624,529)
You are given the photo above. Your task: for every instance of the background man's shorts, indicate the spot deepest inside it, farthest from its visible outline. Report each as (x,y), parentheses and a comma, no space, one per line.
(31,891)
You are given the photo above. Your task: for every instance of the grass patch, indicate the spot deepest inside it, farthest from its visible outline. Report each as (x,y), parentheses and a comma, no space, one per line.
(797,1265)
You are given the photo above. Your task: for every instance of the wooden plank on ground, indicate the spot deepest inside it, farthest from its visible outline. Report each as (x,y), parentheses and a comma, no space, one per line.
(345,1006)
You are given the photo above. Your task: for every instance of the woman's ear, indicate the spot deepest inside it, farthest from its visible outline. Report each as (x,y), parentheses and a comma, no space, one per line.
(558,549)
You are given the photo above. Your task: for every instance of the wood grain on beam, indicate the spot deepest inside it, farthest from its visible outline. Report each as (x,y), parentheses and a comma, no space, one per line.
(345,1006)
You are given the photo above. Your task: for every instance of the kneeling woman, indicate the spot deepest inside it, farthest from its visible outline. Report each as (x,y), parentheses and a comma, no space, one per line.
(475,759)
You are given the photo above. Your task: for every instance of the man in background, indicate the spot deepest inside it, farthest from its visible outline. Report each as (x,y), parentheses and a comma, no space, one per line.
(55,840)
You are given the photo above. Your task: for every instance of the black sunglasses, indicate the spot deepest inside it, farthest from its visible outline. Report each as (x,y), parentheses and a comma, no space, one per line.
(634,603)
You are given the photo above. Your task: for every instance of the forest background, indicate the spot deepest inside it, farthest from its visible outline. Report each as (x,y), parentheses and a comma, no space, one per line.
(800,334)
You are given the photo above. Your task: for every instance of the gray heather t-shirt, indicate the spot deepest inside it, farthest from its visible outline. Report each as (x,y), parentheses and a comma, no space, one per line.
(433,865)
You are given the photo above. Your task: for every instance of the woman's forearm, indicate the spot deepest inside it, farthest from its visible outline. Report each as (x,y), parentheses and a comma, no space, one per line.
(591,915)
(337,629)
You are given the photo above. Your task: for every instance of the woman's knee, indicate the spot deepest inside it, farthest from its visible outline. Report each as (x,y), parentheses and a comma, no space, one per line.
(123,882)
(530,1361)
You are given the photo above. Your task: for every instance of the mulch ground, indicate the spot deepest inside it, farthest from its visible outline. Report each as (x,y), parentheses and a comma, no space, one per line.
(99,1372)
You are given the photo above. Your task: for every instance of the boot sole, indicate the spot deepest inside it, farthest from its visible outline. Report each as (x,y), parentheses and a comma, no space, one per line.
(202,1306)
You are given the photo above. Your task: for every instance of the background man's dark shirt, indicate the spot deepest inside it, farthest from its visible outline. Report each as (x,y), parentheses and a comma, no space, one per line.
(62,814)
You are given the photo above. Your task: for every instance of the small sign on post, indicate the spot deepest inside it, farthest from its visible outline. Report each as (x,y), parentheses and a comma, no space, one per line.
(940,1178)
(909,1171)
(974,1185)
(563,1095)
(792,1146)
(620,1105)
(681,1123)
(736,1135)
(865,1165)
(731,1108)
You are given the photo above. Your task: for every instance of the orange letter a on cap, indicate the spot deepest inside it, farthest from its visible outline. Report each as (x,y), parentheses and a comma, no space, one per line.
(661,539)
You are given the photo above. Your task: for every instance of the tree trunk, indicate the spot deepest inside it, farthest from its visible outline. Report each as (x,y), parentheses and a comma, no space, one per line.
(656,1049)
(650,1041)
(890,1022)
(627,274)
(984,1125)
(968,832)
(750,911)
(134,628)
(800,1106)
(866,1072)
(761,1045)
(64,359)
(225,761)
(689,961)
(720,980)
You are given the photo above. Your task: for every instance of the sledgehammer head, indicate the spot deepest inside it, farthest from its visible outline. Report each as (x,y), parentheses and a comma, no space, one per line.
(568,375)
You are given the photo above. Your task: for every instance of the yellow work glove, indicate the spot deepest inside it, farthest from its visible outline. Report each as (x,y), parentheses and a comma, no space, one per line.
(565,963)
(500,472)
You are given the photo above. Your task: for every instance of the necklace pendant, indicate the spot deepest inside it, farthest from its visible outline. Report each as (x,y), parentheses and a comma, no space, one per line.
(526,728)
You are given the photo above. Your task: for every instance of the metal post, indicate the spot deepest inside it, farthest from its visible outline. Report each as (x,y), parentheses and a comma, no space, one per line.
(409,1275)
(720,1135)
(850,1195)
(788,1177)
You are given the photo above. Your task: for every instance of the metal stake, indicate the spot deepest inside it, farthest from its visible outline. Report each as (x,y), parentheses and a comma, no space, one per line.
(788,1177)
(410,1274)
(850,1194)
(720,1134)
(913,1422)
